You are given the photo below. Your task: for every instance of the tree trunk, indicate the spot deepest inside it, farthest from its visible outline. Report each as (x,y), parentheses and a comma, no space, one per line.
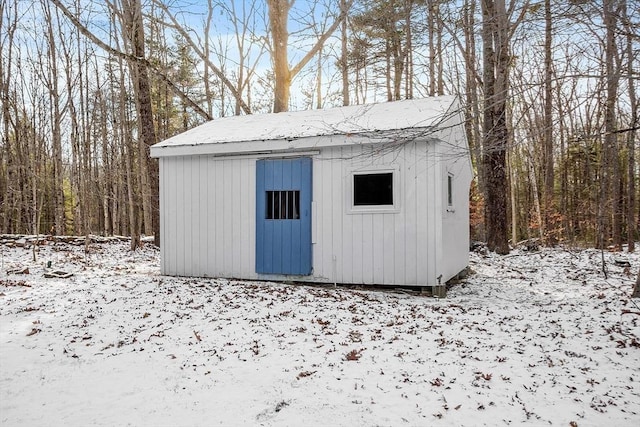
(564,175)
(278,19)
(148,168)
(8,25)
(207,84)
(56,133)
(387,72)
(514,210)
(408,65)
(548,198)
(106,175)
(431,5)
(319,82)
(398,66)
(631,137)
(440,61)
(344,64)
(472,110)
(495,31)
(534,190)
(608,188)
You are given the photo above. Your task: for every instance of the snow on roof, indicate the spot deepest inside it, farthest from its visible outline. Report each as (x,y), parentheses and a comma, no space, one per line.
(356,119)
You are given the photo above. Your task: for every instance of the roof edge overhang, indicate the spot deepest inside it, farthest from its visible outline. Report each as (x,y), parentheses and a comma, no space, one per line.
(292,145)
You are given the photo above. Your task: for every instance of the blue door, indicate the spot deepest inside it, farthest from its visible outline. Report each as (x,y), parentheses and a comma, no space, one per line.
(283,216)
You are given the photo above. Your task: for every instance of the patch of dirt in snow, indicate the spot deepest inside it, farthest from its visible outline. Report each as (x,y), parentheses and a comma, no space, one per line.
(529,338)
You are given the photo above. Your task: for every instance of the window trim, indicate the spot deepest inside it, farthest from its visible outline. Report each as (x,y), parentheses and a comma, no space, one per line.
(351,208)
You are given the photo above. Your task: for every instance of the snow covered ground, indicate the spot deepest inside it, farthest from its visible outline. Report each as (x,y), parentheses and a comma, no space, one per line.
(529,339)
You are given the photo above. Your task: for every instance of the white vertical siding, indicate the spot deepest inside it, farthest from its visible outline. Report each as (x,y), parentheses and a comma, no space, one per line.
(376,248)
(163,207)
(196,213)
(344,235)
(410,217)
(181,197)
(224,196)
(203,214)
(218,215)
(455,222)
(209,205)
(369,240)
(207,222)
(208,218)
(247,217)
(422,174)
(389,240)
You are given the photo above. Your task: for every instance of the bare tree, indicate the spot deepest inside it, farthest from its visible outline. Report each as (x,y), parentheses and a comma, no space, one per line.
(228,84)
(631,137)
(498,27)
(56,118)
(344,64)
(278,26)
(609,190)
(207,83)
(8,25)
(548,143)
(250,45)
(495,38)
(383,37)
(134,31)
(434,35)
(129,57)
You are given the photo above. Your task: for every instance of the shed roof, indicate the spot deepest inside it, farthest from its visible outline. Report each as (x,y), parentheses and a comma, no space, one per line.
(246,133)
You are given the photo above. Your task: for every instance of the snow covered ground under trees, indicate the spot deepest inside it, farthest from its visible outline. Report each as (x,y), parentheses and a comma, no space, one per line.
(539,338)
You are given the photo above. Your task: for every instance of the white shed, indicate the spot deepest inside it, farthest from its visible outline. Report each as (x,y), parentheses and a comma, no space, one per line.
(367,194)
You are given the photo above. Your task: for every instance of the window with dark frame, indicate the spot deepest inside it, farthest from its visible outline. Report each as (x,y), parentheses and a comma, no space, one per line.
(450,190)
(283,204)
(373,189)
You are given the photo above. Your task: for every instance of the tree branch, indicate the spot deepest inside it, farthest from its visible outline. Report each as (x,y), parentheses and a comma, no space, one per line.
(176,26)
(128,57)
(323,38)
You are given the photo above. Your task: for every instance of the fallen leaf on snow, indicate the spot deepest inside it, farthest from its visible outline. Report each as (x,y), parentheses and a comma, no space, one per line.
(33,331)
(354,355)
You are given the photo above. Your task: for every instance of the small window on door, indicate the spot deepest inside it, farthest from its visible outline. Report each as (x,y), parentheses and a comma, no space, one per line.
(373,189)
(282,204)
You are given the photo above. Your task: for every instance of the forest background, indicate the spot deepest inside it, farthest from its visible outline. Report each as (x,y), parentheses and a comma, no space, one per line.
(548,90)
